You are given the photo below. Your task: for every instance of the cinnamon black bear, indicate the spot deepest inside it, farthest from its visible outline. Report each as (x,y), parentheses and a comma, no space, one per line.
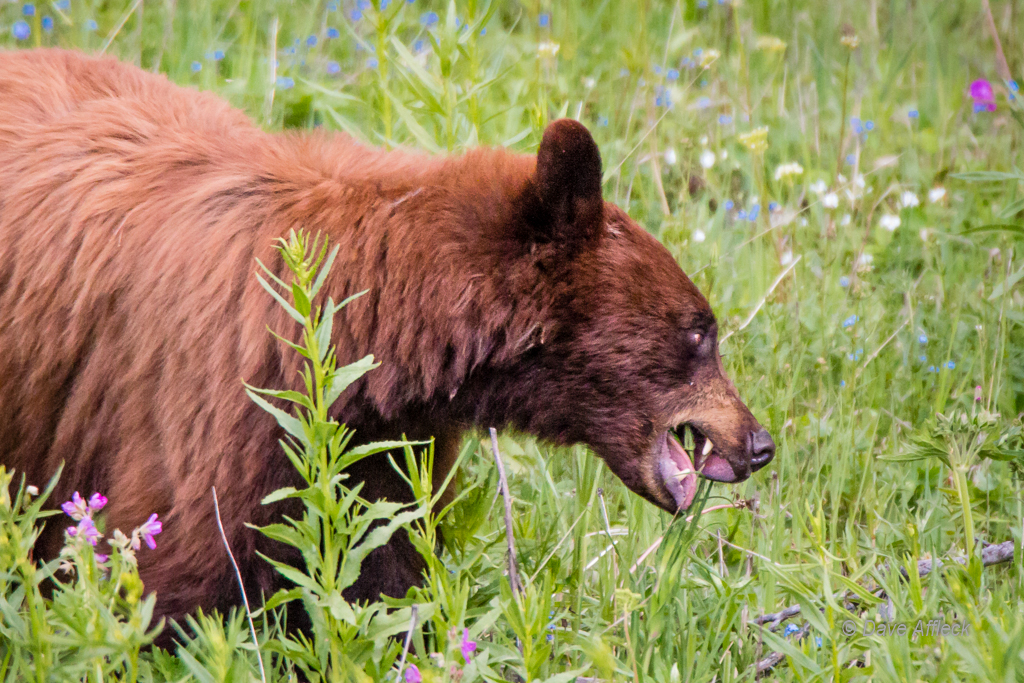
(503,291)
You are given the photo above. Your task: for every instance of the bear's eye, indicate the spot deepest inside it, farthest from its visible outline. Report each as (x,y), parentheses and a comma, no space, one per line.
(696,338)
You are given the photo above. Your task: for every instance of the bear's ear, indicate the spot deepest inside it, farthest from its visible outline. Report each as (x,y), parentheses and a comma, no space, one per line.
(568,184)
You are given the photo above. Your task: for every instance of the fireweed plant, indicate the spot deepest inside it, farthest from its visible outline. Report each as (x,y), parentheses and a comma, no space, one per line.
(864,261)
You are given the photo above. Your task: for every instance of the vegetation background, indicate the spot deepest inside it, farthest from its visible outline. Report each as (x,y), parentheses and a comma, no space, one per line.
(831,174)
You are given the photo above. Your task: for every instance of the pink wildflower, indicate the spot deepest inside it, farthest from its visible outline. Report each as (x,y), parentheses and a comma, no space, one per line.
(150,528)
(468,646)
(96,502)
(412,675)
(87,529)
(76,508)
(981,92)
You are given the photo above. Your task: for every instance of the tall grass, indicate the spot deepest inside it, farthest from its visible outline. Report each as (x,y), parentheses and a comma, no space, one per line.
(905,303)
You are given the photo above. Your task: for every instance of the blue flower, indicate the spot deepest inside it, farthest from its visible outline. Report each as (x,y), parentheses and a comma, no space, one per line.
(932,368)
(333,32)
(869,125)
(951,365)
(428,18)
(790,629)
(333,67)
(602,121)
(672,75)
(356,15)
(384,4)
(418,46)
(773,207)
(544,19)
(922,358)
(289,50)
(913,114)
(285,82)
(724,120)
(842,383)
(754,211)
(1013,86)
(21,30)
(63,5)
(372,63)
(483,31)
(91,25)
(851,321)
(817,639)
(844,281)
(28,9)
(698,52)
(310,41)
(728,205)
(550,637)
(364,4)
(851,159)
(196,67)
(741,215)
(857,127)
(703,103)
(922,338)
(657,70)
(47,23)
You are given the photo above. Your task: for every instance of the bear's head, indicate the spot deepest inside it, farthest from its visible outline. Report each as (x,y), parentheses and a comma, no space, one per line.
(621,349)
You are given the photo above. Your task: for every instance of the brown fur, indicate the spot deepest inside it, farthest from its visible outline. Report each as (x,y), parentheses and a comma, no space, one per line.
(503,291)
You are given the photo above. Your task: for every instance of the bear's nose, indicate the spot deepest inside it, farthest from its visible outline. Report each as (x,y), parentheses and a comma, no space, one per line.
(762,449)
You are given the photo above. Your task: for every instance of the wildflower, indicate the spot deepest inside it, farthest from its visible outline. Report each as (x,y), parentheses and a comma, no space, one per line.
(699,236)
(728,205)
(428,19)
(285,82)
(830,201)
(755,140)
(602,121)
(851,41)
(91,25)
(981,93)
(770,44)
(672,75)
(923,358)
(76,508)
(909,200)
(786,258)
(723,155)
(754,211)
(742,215)
(790,629)
(817,639)
(670,156)
(977,394)
(86,529)
(724,120)
(589,82)
(922,338)
(372,63)
(844,281)
(936,194)
(773,207)
(96,502)
(845,220)
(47,23)
(913,114)
(708,57)
(196,67)
(657,70)
(150,528)
(28,9)
(869,126)
(924,234)
(63,5)
(32,490)
(889,221)
(855,123)
(851,321)
(544,19)
(786,170)
(468,647)
(819,187)
(21,30)
(218,55)
(932,368)
(310,41)
(951,365)
(548,49)
(851,159)
(707,158)
(412,675)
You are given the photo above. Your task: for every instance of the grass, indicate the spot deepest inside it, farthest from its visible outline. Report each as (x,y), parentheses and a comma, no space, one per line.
(847,358)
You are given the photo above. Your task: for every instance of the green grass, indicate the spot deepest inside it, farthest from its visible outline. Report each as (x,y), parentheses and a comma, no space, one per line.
(934,309)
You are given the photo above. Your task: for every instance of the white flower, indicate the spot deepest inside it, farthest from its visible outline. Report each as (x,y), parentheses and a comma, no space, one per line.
(845,220)
(704,140)
(865,260)
(707,158)
(548,49)
(858,181)
(936,194)
(925,234)
(819,187)
(32,490)
(699,236)
(589,83)
(723,155)
(670,157)
(889,221)
(786,170)
(830,201)
(908,200)
(786,258)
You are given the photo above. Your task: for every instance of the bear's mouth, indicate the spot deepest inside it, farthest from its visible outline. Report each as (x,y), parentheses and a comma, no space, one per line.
(679,466)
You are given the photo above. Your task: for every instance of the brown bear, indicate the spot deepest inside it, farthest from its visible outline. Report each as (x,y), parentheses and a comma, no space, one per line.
(503,291)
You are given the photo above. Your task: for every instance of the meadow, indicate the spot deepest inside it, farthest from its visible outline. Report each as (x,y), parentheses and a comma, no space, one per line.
(842,179)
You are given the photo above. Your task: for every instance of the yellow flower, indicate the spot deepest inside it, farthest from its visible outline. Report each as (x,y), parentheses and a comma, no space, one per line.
(770,44)
(755,140)
(708,56)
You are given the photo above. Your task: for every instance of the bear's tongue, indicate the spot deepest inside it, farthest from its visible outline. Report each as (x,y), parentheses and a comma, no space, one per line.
(677,471)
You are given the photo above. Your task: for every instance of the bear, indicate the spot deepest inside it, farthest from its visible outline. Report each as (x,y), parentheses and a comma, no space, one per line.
(502,291)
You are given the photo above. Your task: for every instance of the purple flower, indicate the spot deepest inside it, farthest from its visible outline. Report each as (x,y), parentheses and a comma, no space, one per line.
(96,502)
(76,508)
(102,558)
(147,531)
(412,675)
(468,646)
(86,529)
(981,93)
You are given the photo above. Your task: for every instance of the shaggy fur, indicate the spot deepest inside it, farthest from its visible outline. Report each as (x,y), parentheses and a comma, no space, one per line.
(503,291)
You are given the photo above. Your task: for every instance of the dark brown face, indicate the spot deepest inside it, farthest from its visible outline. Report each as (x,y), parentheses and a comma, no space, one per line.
(633,359)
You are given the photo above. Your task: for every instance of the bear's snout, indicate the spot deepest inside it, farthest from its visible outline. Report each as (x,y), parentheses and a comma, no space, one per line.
(762,449)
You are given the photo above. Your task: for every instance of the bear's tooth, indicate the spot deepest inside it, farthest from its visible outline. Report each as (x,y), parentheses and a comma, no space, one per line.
(708,446)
